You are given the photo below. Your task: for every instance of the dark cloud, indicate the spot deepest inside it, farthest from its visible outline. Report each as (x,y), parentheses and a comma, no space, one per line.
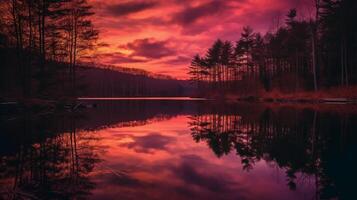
(127,8)
(150,143)
(196,29)
(149,48)
(133,25)
(179,60)
(189,26)
(191,14)
(213,12)
(119,58)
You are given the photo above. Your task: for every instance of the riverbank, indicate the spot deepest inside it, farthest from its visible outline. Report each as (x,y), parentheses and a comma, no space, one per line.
(15,106)
(347,95)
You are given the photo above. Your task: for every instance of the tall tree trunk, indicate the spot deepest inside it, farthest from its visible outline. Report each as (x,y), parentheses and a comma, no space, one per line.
(313,54)
(315,43)
(29,63)
(44,4)
(75,54)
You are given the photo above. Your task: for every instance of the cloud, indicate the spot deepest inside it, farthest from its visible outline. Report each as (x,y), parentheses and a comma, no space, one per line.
(122,9)
(149,48)
(119,58)
(155,33)
(205,17)
(192,14)
(178,60)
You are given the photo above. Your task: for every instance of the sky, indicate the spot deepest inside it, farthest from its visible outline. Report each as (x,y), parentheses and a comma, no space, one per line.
(161,36)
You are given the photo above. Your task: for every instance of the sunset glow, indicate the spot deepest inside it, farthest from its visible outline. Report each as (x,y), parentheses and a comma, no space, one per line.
(178,99)
(141,152)
(163,35)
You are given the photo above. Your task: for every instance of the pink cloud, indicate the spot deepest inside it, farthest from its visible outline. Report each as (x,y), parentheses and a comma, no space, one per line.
(162,35)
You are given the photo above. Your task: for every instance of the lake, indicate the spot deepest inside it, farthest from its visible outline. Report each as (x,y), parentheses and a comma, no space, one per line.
(180,149)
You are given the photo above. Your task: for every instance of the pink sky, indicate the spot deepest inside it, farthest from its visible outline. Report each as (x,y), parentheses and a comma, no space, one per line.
(162,36)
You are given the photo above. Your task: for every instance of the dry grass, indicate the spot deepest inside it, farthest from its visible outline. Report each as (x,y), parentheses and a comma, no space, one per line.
(336,92)
(340,109)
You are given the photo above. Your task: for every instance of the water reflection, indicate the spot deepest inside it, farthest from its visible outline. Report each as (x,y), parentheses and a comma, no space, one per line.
(318,145)
(181,150)
(40,159)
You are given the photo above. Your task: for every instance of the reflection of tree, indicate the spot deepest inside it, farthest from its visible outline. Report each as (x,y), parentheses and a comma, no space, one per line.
(50,157)
(45,165)
(115,114)
(213,129)
(297,141)
(134,123)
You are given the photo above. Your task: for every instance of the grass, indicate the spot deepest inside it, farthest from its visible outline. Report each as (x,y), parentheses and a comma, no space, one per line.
(335,92)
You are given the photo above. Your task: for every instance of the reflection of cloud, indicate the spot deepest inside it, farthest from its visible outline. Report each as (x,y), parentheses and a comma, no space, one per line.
(122,179)
(191,174)
(188,171)
(149,143)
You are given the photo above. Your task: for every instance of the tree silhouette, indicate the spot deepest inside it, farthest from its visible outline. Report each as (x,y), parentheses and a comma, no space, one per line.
(45,34)
(299,55)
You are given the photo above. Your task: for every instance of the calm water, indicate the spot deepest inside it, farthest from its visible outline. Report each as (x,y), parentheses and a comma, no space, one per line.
(154,149)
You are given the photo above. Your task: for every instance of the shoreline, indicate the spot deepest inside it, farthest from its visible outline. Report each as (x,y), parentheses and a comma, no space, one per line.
(331,101)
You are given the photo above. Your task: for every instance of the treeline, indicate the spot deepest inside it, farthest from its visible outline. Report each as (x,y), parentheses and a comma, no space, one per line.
(111,82)
(40,41)
(300,55)
(128,70)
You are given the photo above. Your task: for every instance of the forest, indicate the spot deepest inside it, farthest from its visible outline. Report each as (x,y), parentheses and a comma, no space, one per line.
(123,82)
(301,55)
(40,44)
(44,42)
(43,45)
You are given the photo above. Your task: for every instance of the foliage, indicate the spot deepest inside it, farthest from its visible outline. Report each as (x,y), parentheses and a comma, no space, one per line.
(300,55)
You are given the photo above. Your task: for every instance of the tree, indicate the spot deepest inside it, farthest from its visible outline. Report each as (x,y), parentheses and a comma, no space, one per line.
(339,33)
(258,57)
(313,51)
(45,32)
(195,70)
(81,34)
(212,59)
(243,49)
(227,59)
